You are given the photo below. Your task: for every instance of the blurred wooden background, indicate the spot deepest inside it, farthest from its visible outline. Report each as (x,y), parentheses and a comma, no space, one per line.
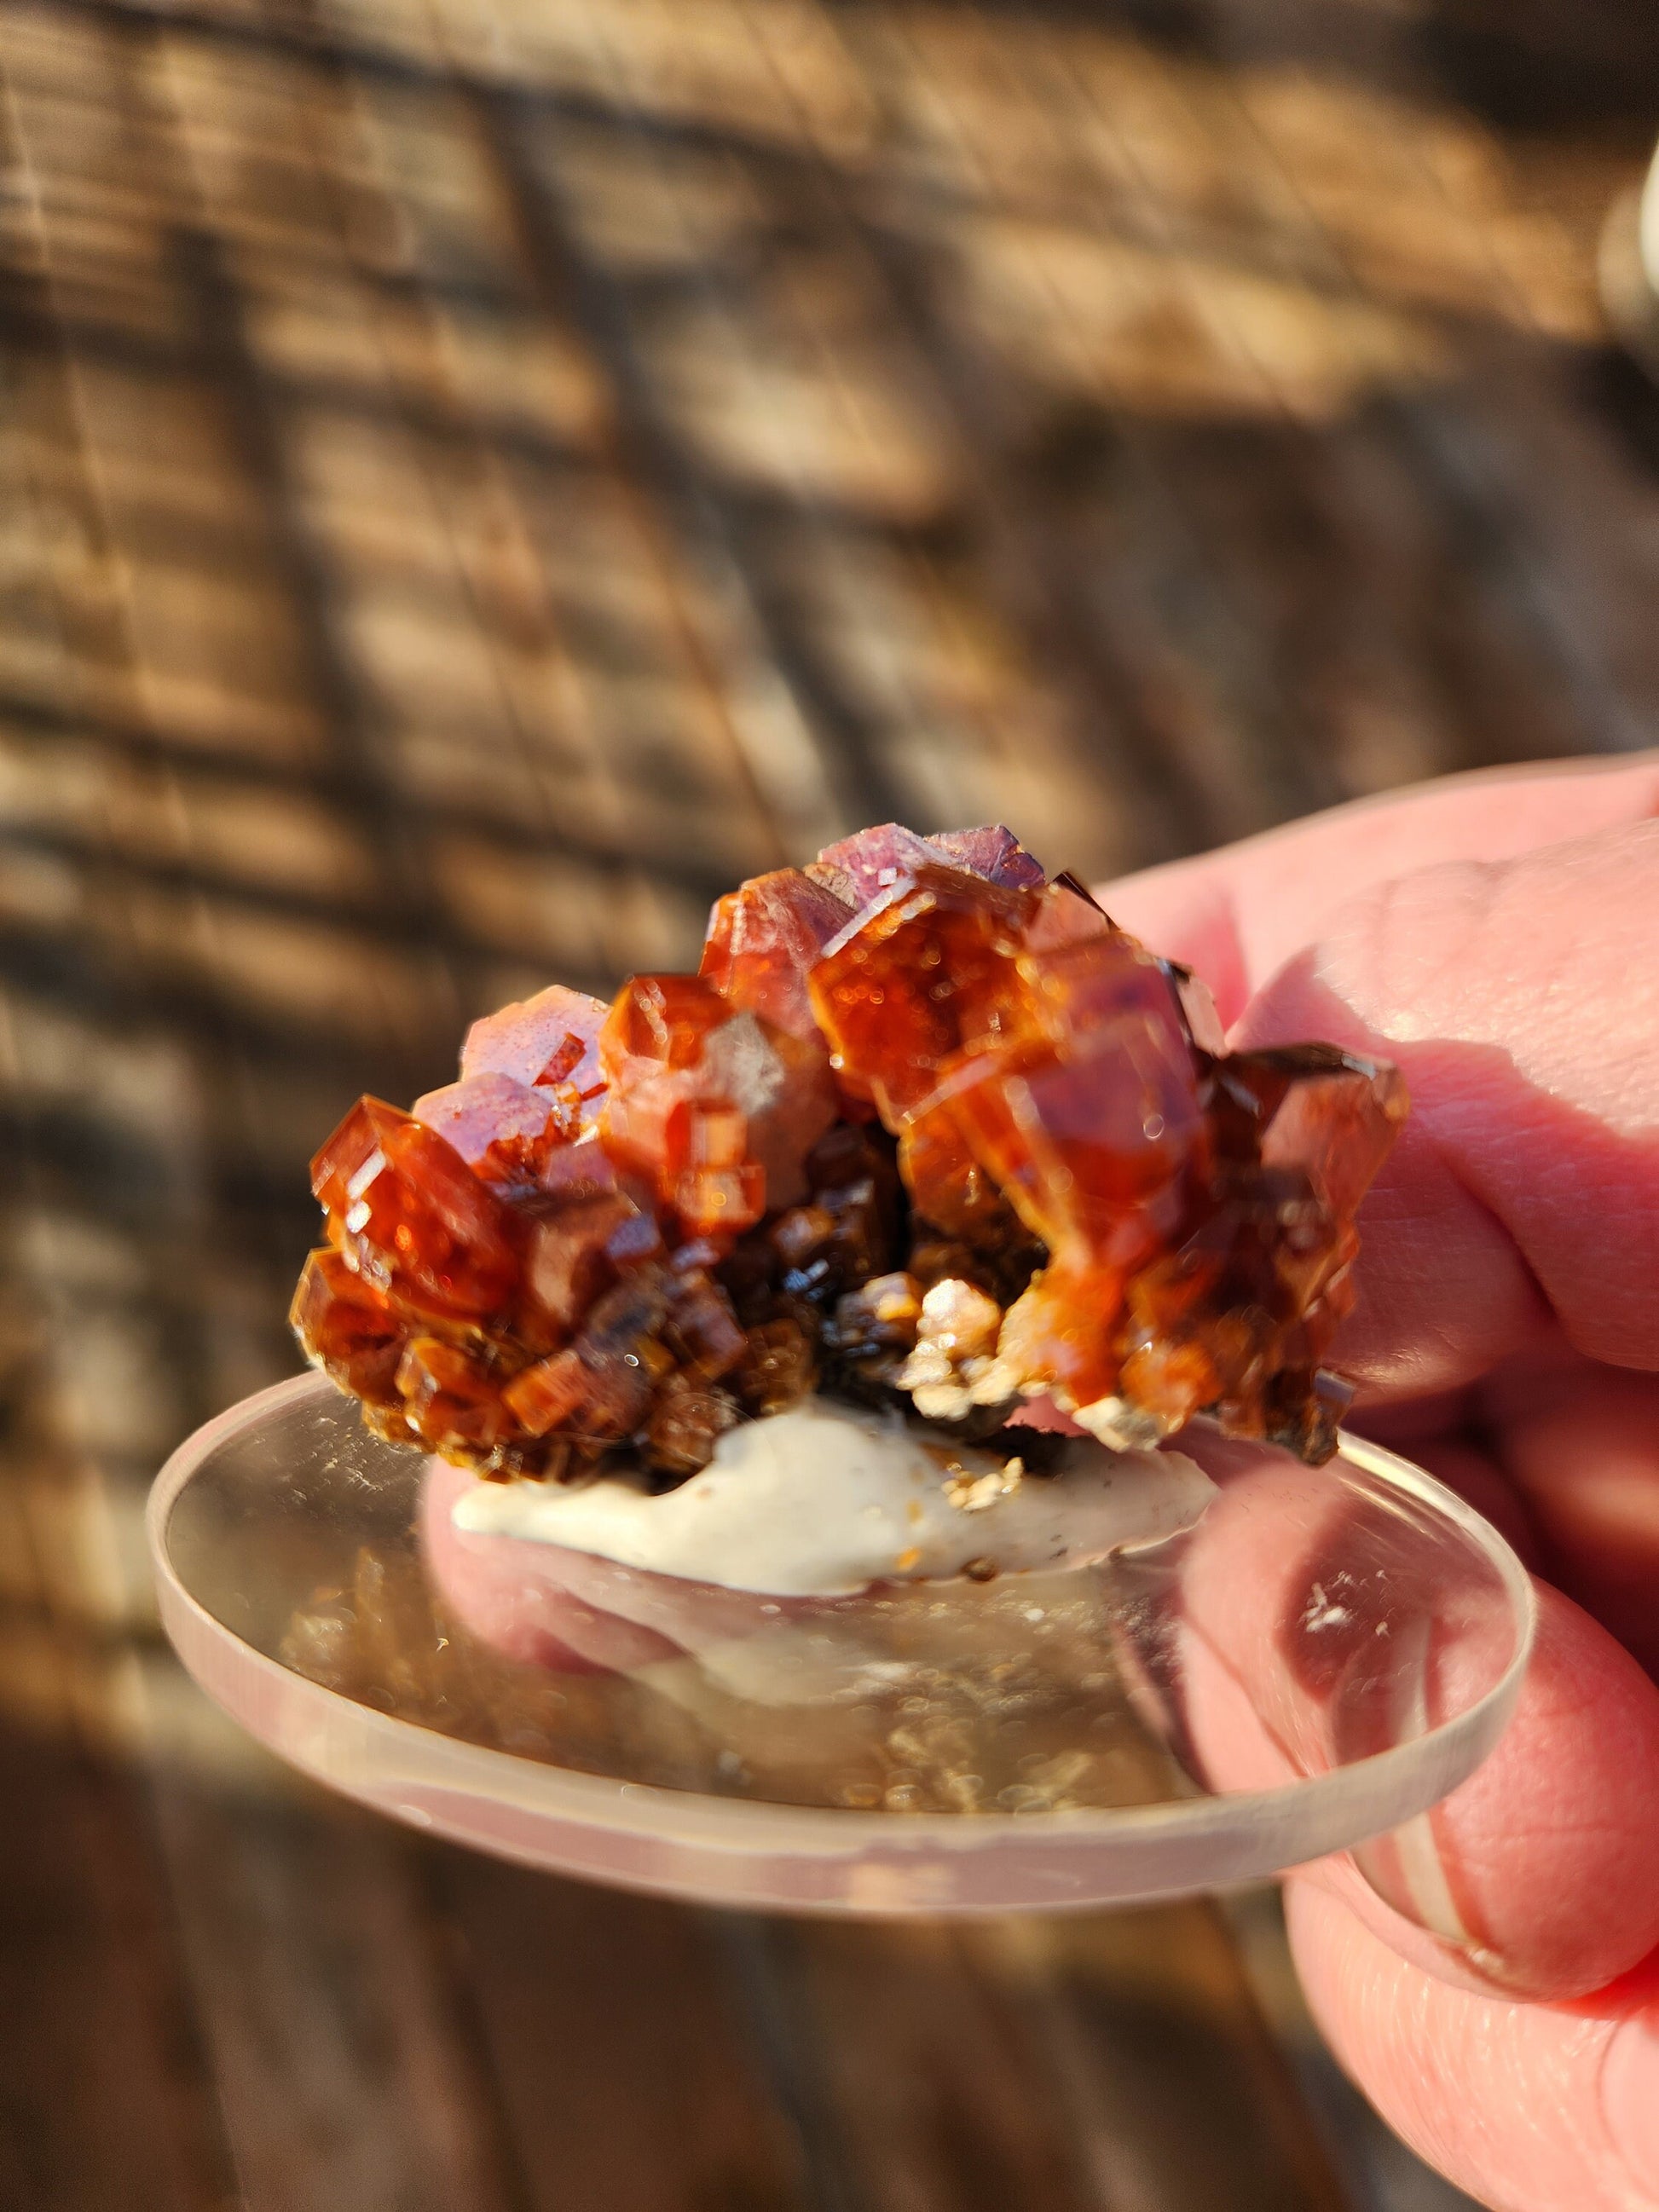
(475,477)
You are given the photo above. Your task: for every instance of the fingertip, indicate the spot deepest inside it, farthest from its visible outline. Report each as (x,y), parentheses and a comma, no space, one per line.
(516,1597)
(1235,914)
(1529,2106)
(1541,1878)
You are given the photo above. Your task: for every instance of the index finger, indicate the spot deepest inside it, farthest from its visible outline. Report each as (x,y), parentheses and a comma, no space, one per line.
(1518,992)
(1237,915)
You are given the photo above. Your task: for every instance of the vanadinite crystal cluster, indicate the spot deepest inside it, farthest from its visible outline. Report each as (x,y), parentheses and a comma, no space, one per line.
(924,1124)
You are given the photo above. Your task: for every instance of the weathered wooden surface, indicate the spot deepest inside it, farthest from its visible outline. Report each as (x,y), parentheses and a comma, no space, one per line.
(477,477)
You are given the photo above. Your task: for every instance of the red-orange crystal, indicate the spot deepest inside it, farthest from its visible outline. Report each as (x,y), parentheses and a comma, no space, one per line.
(641,1222)
(925,972)
(764,937)
(412,1218)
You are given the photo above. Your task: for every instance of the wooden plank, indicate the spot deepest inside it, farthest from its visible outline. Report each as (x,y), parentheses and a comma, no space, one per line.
(1116,2061)
(343,2061)
(631,2078)
(786,380)
(106,2096)
(1543,506)
(924,2086)
(1163,2064)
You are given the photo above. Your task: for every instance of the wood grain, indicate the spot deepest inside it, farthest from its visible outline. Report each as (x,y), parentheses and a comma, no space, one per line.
(344,2067)
(105,2095)
(630,2074)
(475,479)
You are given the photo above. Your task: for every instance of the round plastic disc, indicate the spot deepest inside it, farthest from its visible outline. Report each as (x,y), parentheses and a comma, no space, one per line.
(1310,1667)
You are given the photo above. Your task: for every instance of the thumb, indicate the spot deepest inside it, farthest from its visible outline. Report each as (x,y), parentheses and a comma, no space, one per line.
(1529,2107)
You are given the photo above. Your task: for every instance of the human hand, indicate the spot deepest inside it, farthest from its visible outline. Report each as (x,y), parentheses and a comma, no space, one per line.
(1497,936)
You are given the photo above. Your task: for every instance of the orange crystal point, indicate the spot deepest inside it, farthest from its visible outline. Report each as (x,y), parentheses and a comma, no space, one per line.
(1092,981)
(718,1107)
(646,1124)
(764,937)
(664,1019)
(720,1201)
(1083,1143)
(925,973)
(783,1086)
(947,1181)
(651,1049)
(411,1218)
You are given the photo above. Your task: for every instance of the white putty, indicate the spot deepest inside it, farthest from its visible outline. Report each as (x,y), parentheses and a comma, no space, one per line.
(826,1498)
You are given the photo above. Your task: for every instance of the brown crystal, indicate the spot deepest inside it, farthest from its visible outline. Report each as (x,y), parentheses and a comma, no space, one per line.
(574,1252)
(702,1329)
(688,1417)
(779,1367)
(411,1218)
(346,1327)
(452,1399)
(545,1396)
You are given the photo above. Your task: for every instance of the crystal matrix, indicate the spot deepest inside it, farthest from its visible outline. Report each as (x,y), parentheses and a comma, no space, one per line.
(925,1124)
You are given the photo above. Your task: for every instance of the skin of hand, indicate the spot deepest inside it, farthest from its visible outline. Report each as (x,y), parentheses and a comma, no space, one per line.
(1498,937)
